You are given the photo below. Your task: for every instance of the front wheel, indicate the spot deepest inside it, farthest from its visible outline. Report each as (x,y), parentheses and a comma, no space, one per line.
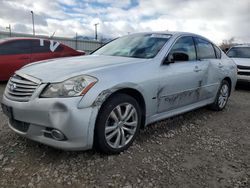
(117,124)
(222,96)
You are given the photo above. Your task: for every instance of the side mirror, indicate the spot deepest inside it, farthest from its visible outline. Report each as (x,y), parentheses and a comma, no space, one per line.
(180,56)
(177,56)
(169,59)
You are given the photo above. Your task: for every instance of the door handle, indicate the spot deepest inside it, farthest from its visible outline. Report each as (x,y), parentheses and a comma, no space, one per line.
(197,69)
(220,65)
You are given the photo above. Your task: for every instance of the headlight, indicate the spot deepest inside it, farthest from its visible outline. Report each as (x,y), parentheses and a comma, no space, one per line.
(72,87)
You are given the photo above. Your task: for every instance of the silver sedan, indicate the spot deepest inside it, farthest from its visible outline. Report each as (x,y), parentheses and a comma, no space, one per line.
(103,99)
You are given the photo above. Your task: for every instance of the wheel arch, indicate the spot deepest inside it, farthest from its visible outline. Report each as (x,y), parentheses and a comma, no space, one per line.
(137,95)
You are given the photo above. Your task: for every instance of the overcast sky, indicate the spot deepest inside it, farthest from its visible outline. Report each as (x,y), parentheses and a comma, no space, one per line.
(217,20)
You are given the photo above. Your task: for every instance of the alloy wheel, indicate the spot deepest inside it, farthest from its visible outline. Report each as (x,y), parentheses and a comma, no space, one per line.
(223,96)
(121,125)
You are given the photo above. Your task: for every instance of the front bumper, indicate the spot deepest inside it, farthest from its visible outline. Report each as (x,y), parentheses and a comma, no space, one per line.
(41,114)
(243,78)
(243,74)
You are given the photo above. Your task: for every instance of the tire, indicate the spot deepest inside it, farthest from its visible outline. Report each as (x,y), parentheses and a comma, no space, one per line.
(221,97)
(117,124)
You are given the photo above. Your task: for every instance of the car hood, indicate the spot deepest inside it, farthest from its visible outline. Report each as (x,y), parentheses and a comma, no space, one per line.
(57,70)
(242,61)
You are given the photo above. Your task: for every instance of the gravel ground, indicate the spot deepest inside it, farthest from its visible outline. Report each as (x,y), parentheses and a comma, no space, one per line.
(198,149)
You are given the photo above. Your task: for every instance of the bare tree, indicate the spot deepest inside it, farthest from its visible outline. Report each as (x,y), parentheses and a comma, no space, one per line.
(226,44)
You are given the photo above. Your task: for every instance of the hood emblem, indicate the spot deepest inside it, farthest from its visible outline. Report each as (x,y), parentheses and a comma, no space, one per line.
(13,87)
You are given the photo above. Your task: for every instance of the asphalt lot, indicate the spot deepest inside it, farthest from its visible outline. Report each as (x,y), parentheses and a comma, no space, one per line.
(198,149)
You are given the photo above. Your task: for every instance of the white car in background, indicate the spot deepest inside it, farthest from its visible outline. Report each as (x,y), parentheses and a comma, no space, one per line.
(241,56)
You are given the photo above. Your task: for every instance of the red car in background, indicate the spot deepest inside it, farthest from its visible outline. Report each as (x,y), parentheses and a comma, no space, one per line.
(17,52)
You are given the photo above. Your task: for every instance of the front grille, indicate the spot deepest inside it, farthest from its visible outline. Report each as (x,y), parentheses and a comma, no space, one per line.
(19,125)
(244,73)
(20,89)
(243,67)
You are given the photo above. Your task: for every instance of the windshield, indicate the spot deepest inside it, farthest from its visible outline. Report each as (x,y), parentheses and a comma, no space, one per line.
(239,52)
(137,46)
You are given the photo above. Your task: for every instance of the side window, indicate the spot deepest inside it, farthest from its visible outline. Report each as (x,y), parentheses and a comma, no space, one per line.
(59,48)
(217,52)
(40,46)
(205,49)
(4,49)
(183,47)
(46,46)
(15,47)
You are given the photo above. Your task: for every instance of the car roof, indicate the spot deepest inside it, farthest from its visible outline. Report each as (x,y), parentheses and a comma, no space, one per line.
(174,33)
(169,33)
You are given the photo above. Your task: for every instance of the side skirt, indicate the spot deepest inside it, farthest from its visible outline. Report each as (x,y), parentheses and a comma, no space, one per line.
(164,115)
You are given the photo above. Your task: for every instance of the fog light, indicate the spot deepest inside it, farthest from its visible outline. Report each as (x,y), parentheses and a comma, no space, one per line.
(57,135)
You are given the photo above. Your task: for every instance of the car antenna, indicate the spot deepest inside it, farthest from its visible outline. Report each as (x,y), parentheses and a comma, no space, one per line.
(53,34)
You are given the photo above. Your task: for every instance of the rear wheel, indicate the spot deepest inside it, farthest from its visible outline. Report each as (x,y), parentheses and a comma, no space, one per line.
(117,124)
(222,96)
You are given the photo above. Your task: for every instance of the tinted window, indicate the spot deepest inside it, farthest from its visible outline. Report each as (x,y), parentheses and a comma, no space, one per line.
(45,46)
(40,46)
(15,47)
(59,48)
(217,52)
(239,52)
(205,49)
(185,45)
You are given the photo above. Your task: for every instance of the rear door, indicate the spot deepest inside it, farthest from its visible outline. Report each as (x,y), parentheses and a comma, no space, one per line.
(14,54)
(209,58)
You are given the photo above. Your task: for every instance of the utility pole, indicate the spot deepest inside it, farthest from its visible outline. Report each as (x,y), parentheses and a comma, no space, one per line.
(96,30)
(32,14)
(76,40)
(9,28)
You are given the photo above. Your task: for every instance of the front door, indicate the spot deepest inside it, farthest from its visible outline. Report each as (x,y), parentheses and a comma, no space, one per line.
(180,82)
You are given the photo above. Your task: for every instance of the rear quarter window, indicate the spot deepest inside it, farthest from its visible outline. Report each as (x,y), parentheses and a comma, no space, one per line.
(46,46)
(59,48)
(39,46)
